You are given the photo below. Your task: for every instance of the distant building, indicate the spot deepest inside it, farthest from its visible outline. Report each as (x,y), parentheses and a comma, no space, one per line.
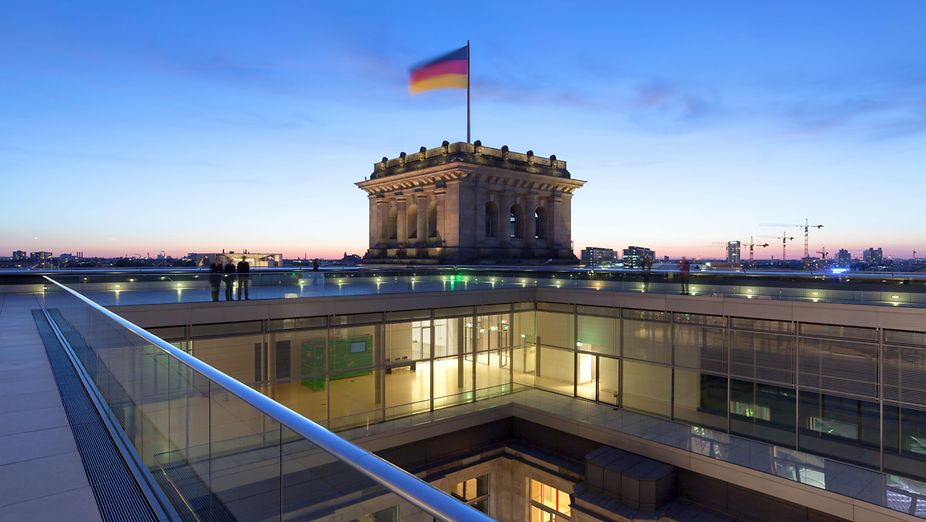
(634,256)
(255,259)
(843,257)
(65,258)
(598,256)
(40,256)
(733,252)
(872,256)
(19,255)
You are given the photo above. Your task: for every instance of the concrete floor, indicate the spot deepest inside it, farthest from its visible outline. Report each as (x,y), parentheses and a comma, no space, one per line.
(42,476)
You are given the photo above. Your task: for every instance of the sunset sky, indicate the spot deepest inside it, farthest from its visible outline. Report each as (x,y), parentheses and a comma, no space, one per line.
(136,127)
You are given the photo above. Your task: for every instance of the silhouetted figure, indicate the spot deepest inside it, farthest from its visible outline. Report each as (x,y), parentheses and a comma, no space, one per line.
(215,278)
(244,278)
(647,268)
(315,265)
(684,270)
(229,280)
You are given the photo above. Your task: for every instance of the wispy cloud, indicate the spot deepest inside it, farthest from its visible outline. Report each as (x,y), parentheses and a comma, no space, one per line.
(876,108)
(93,156)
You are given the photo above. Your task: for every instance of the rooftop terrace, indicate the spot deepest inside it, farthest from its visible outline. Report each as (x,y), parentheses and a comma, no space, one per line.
(153,286)
(711,451)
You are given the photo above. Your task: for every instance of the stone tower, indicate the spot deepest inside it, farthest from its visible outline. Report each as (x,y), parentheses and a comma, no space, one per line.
(465,203)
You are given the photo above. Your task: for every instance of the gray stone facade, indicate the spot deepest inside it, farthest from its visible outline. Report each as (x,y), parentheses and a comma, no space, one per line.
(464,203)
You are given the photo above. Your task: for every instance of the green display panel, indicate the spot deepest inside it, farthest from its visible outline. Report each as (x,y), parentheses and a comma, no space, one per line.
(350,357)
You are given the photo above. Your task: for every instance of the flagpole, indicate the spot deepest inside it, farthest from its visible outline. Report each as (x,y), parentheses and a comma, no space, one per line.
(467,93)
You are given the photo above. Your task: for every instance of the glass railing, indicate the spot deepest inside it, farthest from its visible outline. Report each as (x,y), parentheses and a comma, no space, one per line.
(184,286)
(220,450)
(370,419)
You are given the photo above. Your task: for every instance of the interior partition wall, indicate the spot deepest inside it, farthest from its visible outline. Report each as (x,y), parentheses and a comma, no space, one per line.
(850,393)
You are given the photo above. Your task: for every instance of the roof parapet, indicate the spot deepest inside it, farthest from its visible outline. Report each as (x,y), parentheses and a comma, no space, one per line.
(475,153)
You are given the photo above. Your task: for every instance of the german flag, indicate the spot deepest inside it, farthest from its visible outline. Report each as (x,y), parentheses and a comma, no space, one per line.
(450,71)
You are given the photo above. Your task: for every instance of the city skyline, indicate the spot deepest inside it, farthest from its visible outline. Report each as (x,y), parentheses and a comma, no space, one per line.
(131,130)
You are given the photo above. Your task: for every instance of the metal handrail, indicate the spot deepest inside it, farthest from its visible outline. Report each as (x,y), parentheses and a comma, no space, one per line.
(395,479)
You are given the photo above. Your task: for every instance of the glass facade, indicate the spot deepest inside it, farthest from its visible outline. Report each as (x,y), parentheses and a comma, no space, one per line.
(849,393)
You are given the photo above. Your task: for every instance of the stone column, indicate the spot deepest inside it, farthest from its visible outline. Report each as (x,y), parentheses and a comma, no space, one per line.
(562,224)
(567,223)
(453,217)
(383,208)
(530,206)
(481,197)
(440,194)
(376,232)
(421,200)
(401,230)
(504,201)
(547,206)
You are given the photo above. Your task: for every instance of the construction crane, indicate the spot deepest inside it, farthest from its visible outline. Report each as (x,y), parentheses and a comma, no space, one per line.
(752,245)
(806,226)
(784,244)
(823,253)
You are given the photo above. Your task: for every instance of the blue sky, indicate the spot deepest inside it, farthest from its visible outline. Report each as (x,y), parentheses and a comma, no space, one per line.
(135,127)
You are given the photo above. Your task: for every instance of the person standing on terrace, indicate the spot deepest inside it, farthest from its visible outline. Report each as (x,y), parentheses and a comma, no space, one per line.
(244,278)
(647,269)
(215,278)
(229,279)
(684,270)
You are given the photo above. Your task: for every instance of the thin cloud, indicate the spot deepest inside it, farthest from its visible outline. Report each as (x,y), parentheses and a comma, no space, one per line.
(879,107)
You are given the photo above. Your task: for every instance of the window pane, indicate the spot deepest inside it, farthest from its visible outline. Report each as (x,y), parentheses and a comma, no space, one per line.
(356,398)
(701,399)
(762,356)
(407,342)
(539,515)
(763,411)
(555,370)
(352,349)
(408,389)
(305,391)
(564,503)
(763,325)
(608,380)
(841,366)
(549,496)
(453,381)
(841,427)
(700,348)
(555,329)
(647,387)
(597,334)
(839,332)
(470,489)
(482,485)
(646,340)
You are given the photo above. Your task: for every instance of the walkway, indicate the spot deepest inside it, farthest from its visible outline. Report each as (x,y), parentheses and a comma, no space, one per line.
(42,476)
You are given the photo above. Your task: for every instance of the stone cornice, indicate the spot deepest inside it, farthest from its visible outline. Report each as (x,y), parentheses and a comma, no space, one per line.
(486,176)
(411,180)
